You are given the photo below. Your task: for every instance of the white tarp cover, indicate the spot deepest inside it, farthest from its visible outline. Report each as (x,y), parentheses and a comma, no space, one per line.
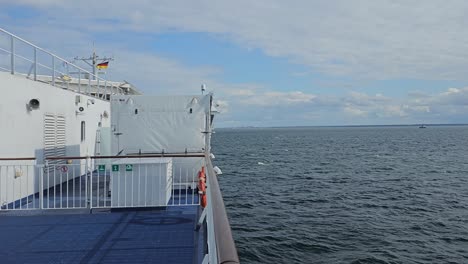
(153,124)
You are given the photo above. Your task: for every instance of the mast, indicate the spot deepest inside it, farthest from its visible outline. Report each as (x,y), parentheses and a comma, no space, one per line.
(93,61)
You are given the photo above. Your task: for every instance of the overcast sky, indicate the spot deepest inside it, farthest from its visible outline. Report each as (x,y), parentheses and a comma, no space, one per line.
(272,62)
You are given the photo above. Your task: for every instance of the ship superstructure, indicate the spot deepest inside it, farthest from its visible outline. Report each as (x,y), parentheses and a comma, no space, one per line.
(91,171)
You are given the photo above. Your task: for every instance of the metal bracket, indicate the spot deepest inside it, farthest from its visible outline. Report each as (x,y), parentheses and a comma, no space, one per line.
(201,220)
(205,259)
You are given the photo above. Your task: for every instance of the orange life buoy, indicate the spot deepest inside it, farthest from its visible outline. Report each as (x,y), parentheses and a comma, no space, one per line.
(201,173)
(203,201)
(202,187)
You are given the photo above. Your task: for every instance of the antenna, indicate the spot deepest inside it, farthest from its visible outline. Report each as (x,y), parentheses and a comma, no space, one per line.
(203,88)
(93,61)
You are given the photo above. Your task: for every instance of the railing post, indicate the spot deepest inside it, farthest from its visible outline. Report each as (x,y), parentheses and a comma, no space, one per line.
(201,220)
(12,55)
(88,88)
(53,71)
(35,64)
(79,81)
(41,186)
(97,88)
(89,185)
(206,259)
(68,75)
(90,189)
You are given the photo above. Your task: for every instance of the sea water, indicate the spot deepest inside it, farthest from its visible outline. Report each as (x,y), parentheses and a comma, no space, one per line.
(346,194)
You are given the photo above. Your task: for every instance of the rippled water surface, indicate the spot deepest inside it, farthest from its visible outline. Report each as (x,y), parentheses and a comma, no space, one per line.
(346,195)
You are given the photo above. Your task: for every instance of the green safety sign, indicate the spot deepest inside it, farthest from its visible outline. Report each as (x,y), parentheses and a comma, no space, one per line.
(115,167)
(128,167)
(102,167)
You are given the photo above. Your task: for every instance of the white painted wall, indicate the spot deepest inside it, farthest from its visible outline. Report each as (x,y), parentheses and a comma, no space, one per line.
(22,130)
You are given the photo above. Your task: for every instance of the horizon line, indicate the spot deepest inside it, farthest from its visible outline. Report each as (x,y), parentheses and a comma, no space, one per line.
(310,126)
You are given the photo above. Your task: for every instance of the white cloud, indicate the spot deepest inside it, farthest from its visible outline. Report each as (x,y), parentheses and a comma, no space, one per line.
(272,108)
(351,110)
(363,99)
(37,3)
(360,39)
(370,39)
(392,111)
(443,107)
(241,92)
(155,74)
(278,98)
(451,97)
(417,108)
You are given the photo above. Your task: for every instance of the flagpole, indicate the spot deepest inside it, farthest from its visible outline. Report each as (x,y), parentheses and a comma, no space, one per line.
(94,61)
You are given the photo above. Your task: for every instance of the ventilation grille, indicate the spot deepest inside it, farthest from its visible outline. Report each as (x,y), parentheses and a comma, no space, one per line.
(54,138)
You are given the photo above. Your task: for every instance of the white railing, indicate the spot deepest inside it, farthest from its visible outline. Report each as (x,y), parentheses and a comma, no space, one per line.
(17,186)
(145,182)
(64,186)
(220,243)
(18,56)
(101,183)
(123,183)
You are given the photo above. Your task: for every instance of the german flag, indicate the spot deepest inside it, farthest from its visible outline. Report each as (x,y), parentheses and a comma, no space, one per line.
(103,65)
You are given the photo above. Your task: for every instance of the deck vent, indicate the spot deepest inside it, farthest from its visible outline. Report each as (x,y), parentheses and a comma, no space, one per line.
(33,104)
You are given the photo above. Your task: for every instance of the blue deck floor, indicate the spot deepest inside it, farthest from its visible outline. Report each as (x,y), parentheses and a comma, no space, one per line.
(150,236)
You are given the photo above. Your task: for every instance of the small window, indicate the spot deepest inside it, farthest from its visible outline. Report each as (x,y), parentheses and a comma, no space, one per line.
(83,131)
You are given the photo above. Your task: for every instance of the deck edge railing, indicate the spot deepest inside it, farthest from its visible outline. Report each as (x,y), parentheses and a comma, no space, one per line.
(218,237)
(88,178)
(103,88)
(226,251)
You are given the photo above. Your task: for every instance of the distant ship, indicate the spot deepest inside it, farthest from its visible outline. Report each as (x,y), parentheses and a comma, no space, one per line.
(92,171)
(422,126)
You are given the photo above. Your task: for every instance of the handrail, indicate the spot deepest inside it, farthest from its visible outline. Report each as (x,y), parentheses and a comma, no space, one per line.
(162,155)
(221,246)
(27,158)
(98,84)
(49,53)
(225,246)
